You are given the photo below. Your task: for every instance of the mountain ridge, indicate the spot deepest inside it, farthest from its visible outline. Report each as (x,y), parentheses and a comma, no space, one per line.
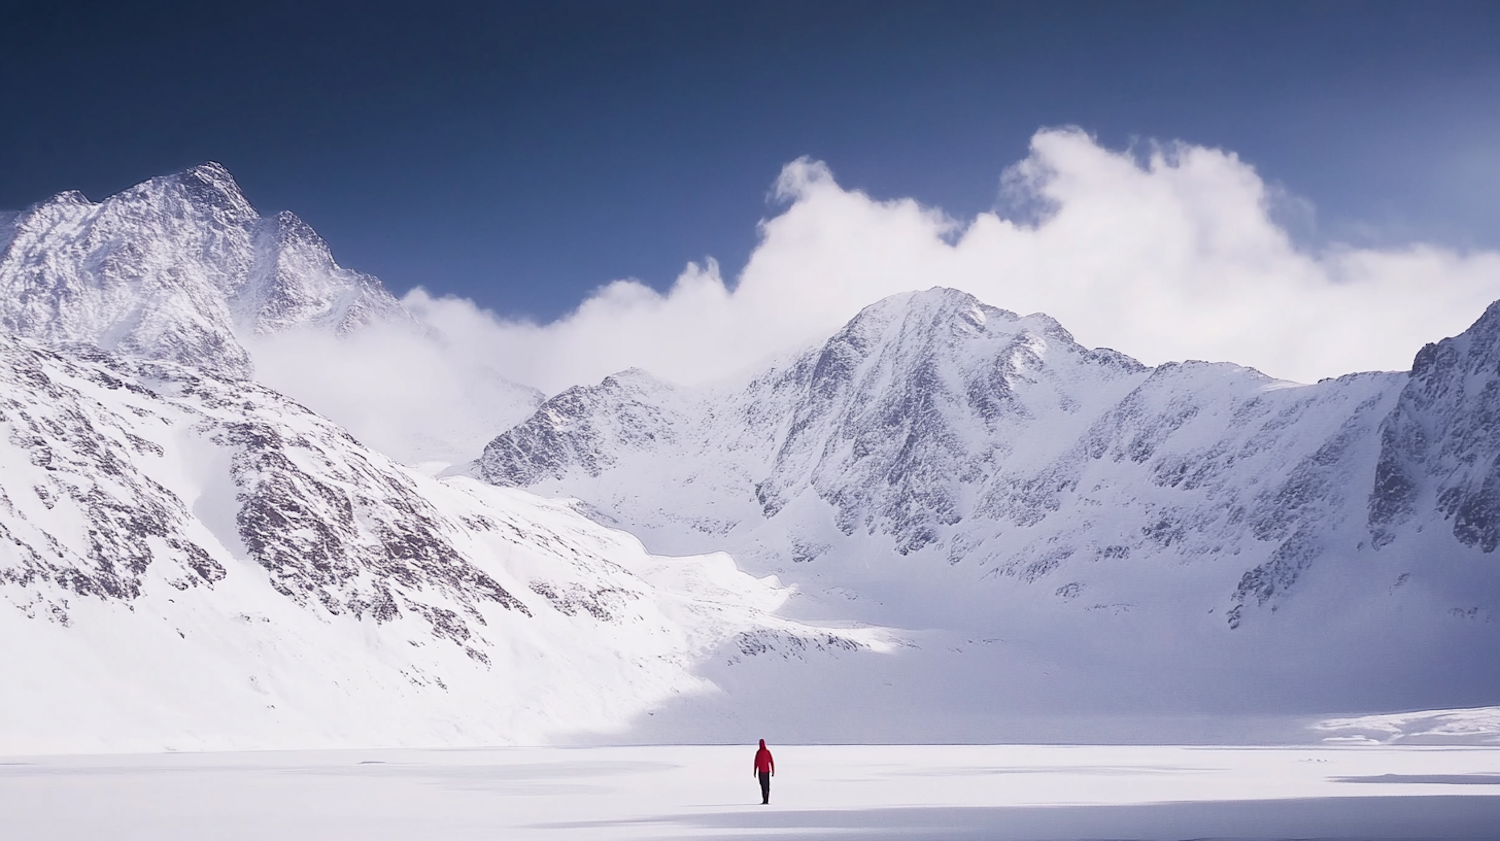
(176,268)
(982,473)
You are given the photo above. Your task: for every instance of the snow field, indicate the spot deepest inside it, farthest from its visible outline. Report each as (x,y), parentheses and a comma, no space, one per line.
(863,791)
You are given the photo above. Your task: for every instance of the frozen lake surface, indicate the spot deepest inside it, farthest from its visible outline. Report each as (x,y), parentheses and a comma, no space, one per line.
(820,792)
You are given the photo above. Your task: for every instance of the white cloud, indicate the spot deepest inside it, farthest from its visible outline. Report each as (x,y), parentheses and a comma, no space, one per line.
(1168,253)
(413,396)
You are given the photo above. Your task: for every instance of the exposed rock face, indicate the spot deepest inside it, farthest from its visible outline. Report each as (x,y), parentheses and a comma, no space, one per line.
(79,460)
(333,526)
(174,269)
(1440,446)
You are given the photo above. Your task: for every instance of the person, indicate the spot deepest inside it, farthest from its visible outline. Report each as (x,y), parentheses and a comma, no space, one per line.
(765,768)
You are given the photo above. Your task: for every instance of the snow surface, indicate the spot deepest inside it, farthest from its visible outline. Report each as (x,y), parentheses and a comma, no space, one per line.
(820,792)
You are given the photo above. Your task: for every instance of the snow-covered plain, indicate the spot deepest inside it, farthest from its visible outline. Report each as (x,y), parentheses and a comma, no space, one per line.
(820,792)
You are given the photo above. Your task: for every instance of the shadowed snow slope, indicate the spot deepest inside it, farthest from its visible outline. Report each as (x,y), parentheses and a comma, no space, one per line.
(1077,531)
(192,561)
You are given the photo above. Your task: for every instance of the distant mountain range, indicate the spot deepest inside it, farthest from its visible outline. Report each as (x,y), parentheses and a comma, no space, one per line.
(979,528)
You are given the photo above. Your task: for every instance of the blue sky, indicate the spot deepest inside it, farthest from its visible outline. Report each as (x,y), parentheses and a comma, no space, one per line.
(522,155)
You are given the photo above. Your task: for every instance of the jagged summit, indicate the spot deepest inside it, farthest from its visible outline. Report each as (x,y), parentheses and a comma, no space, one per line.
(210,175)
(897,422)
(176,268)
(207,185)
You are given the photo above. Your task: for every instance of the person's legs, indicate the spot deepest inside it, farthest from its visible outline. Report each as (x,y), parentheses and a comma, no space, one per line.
(765,788)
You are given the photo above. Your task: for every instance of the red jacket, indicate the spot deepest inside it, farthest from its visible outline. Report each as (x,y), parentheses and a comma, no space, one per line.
(764,764)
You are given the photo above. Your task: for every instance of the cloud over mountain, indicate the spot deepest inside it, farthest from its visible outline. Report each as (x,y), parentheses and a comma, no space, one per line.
(1164,251)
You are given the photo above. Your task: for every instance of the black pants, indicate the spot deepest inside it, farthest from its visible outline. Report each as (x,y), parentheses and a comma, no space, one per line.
(765,787)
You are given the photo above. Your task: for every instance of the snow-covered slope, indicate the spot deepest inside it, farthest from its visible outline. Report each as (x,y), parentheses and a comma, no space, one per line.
(1440,447)
(896,424)
(183,269)
(1152,534)
(190,560)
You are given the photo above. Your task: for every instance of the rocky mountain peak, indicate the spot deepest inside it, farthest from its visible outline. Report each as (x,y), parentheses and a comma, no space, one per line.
(898,422)
(208,184)
(288,230)
(204,196)
(176,268)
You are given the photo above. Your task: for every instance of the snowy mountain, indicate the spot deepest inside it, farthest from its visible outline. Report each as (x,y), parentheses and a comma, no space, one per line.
(183,269)
(1059,536)
(191,560)
(943,464)
(175,269)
